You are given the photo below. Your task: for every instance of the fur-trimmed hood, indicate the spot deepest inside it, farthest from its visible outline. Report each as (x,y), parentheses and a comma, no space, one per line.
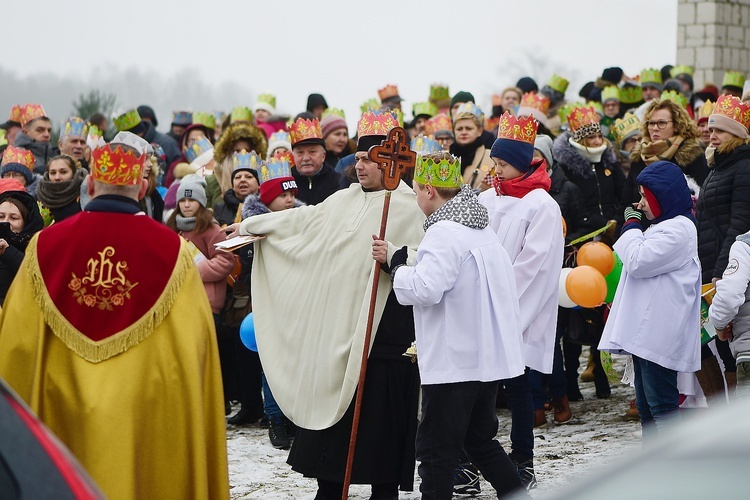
(576,164)
(686,154)
(236,132)
(254,206)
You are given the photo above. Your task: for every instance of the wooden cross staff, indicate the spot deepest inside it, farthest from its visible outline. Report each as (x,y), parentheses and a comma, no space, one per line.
(393,157)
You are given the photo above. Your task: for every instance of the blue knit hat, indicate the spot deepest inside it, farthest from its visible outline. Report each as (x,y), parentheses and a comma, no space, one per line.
(517,154)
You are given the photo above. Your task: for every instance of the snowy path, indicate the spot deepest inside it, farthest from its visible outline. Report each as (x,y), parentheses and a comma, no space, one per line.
(596,435)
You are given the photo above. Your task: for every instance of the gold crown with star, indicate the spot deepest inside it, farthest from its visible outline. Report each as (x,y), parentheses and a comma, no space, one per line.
(517,128)
(440,170)
(116,166)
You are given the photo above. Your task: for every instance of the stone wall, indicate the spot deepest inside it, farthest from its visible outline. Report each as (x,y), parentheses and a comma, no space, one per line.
(714,37)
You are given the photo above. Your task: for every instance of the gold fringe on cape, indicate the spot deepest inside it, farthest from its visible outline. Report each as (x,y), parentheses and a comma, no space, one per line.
(98,351)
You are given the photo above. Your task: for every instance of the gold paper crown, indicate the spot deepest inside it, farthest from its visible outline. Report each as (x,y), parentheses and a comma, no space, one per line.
(470,108)
(208,120)
(625,125)
(424,145)
(581,116)
(116,166)
(597,107)
(425,108)
(733,79)
(558,83)
(631,94)
(268,99)
(31,112)
(651,75)
(387,92)
(95,131)
(304,130)
(275,168)
(376,122)
(610,92)
(245,160)
(440,173)
(517,128)
(16,112)
(127,120)
(334,111)
(705,111)
(673,96)
(3,140)
(731,107)
(20,156)
(241,114)
(678,70)
(438,123)
(439,92)
(535,101)
(370,104)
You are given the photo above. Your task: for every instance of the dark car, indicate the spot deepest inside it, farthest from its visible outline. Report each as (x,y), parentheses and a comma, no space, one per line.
(33,462)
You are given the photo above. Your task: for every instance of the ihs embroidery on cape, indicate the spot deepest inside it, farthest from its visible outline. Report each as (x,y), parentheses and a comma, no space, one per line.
(104,285)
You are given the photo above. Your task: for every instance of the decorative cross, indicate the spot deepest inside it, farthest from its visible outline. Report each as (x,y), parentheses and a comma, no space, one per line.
(393,157)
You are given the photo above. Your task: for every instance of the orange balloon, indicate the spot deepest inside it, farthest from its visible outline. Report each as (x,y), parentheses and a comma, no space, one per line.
(597,255)
(586,286)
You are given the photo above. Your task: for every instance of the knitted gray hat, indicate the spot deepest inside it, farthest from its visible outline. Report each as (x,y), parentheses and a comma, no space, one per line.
(194,188)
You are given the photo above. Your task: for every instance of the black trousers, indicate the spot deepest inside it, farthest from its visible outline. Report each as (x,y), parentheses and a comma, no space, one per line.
(455,417)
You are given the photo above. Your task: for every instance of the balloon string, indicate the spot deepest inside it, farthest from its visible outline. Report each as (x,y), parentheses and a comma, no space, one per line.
(592,234)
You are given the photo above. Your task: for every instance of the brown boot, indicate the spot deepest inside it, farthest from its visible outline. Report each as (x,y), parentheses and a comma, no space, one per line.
(588,374)
(632,413)
(562,410)
(540,418)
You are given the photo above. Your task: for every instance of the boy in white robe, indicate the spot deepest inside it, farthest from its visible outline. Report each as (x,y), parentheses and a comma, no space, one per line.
(466,321)
(529,224)
(655,314)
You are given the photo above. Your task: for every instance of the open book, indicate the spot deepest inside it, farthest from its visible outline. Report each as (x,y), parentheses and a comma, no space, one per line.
(233,244)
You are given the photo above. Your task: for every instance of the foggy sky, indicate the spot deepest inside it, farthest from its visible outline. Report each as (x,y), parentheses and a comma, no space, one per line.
(201,56)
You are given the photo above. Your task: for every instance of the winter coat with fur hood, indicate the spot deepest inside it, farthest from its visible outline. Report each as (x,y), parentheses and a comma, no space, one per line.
(723,209)
(601,183)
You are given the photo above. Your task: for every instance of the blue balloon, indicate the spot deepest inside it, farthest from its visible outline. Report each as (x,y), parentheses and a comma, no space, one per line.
(247,333)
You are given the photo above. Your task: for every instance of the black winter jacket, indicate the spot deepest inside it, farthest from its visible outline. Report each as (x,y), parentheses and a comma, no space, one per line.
(316,188)
(723,210)
(569,198)
(600,183)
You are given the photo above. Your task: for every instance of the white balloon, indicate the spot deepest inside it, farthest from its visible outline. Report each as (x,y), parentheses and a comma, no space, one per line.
(562,295)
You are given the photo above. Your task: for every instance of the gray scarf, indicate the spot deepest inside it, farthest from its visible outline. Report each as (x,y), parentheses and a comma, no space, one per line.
(464,208)
(60,194)
(185,223)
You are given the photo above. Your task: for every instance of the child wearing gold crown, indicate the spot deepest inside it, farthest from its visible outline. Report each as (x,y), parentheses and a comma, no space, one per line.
(529,225)
(466,321)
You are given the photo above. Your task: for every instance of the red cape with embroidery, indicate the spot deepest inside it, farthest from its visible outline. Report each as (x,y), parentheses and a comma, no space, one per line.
(109,286)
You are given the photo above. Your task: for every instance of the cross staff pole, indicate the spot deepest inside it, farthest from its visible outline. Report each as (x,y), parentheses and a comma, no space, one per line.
(393,157)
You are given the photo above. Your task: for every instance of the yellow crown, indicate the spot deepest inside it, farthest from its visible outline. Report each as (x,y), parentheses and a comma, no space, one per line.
(682,69)
(517,128)
(625,126)
(731,107)
(20,156)
(241,114)
(558,83)
(610,92)
(334,111)
(16,112)
(116,166)
(208,120)
(305,130)
(733,79)
(469,108)
(673,96)
(582,115)
(651,75)
(369,104)
(631,94)
(74,126)
(425,108)
(439,92)
(376,122)
(705,111)
(265,101)
(387,92)
(441,170)
(127,120)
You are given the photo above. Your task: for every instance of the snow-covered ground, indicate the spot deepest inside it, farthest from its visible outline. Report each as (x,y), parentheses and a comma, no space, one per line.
(596,435)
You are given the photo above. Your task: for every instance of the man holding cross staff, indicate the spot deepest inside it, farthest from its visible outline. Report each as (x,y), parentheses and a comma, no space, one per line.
(312,287)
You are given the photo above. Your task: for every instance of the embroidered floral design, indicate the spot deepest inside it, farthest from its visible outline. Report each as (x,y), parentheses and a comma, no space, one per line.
(104,285)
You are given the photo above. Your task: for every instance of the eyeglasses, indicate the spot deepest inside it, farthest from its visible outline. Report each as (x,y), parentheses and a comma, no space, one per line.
(660,124)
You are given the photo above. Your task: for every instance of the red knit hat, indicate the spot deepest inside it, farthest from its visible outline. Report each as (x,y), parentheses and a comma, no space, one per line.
(653,203)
